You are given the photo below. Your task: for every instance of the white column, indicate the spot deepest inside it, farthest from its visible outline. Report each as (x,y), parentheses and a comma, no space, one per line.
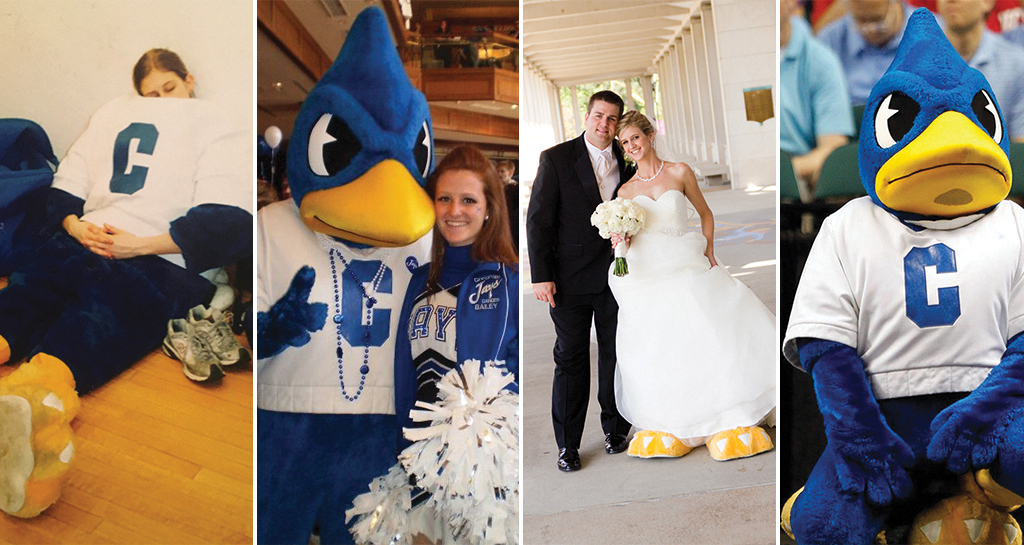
(577,122)
(714,84)
(746,40)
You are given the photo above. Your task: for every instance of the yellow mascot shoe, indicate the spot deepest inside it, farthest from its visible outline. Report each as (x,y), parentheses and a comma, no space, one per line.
(962,520)
(5,350)
(739,443)
(656,444)
(997,496)
(37,404)
(787,514)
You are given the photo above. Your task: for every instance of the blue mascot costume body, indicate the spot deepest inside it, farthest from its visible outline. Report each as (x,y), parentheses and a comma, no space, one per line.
(909,317)
(333,269)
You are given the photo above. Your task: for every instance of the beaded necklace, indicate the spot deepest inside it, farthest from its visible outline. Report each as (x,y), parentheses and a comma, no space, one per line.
(364,369)
(652,177)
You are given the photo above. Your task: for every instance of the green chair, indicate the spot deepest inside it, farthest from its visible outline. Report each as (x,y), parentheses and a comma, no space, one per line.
(840,177)
(1017,168)
(788,190)
(858,116)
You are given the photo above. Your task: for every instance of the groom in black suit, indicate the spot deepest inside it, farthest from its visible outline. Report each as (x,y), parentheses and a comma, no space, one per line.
(569,267)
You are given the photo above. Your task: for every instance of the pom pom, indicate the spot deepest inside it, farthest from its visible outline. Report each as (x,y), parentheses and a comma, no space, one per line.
(383,514)
(468,458)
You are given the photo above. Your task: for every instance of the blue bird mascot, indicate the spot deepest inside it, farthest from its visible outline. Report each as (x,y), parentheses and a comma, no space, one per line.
(333,267)
(909,318)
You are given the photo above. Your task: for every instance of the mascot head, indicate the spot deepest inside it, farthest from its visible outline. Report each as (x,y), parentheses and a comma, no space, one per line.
(362,145)
(933,145)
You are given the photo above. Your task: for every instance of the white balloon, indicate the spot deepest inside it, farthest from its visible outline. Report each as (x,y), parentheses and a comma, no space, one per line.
(273,135)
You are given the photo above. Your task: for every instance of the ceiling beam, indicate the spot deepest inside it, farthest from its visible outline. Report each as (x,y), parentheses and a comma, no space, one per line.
(611,41)
(570,79)
(645,51)
(614,64)
(545,10)
(630,17)
(639,29)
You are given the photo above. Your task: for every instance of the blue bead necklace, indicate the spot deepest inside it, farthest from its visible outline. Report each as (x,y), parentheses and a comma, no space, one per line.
(364,369)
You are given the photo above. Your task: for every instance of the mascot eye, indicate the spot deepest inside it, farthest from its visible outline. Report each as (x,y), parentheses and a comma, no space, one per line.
(332,146)
(894,118)
(422,151)
(988,115)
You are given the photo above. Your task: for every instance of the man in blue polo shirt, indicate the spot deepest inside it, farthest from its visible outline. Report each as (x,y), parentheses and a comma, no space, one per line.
(816,117)
(865,41)
(1001,62)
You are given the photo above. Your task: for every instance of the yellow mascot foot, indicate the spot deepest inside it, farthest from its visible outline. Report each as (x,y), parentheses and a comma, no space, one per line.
(656,444)
(739,443)
(963,519)
(37,403)
(787,514)
(5,350)
(995,495)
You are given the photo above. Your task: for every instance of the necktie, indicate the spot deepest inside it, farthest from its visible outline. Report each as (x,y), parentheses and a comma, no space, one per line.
(607,164)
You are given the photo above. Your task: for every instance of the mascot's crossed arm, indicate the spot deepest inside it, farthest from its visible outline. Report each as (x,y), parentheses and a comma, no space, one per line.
(333,268)
(909,317)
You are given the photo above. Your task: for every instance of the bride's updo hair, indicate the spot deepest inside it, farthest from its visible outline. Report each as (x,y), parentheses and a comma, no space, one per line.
(634,118)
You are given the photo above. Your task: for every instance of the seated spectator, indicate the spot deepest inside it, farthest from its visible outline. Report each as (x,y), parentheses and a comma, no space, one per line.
(865,41)
(1001,62)
(816,116)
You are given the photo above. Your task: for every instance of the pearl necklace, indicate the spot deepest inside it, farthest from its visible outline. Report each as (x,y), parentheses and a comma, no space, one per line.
(338,319)
(652,177)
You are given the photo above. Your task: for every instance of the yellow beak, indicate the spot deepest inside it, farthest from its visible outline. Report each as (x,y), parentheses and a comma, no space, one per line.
(953,168)
(384,207)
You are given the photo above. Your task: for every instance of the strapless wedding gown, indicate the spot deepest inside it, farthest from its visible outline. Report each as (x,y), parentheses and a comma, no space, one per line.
(695,347)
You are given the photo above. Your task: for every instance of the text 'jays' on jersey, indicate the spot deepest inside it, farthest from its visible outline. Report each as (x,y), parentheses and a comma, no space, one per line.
(432,339)
(928,311)
(144,162)
(305,379)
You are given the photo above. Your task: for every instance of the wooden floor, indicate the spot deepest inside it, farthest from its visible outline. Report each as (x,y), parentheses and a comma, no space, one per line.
(160,459)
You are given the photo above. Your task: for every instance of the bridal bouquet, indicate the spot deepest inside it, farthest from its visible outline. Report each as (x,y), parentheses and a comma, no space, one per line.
(620,216)
(466,461)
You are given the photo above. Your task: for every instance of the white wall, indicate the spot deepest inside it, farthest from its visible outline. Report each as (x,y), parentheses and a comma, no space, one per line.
(747,44)
(63,59)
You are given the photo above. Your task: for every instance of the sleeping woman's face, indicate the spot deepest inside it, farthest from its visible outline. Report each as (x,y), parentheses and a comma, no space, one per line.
(162,84)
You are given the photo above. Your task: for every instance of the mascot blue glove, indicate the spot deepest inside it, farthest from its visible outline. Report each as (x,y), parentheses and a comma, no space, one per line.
(908,318)
(292,318)
(333,267)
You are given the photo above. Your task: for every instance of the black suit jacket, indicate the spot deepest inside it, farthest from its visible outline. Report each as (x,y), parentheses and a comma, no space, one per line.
(564,247)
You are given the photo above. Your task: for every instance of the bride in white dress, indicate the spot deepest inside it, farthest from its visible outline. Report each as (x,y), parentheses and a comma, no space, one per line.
(695,347)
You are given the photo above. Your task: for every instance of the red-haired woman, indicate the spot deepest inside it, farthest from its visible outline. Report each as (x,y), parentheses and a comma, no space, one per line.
(464,304)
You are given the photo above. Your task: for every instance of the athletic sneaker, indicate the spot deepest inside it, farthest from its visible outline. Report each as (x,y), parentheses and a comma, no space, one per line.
(211,326)
(183,343)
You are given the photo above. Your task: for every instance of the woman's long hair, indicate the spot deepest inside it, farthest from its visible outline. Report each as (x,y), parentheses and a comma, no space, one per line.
(494,243)
(160,59)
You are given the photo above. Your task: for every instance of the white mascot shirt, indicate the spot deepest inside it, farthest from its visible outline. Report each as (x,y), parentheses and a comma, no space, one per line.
(144,162)
(928,311)
(306,379)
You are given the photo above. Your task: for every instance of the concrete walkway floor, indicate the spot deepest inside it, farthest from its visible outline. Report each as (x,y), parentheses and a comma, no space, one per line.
(622,500)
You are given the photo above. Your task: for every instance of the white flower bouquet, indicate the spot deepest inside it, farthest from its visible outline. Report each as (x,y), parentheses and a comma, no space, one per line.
(621,216)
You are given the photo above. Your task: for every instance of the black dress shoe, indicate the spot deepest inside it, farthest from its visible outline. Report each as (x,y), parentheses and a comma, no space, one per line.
(615,443)
(569,459)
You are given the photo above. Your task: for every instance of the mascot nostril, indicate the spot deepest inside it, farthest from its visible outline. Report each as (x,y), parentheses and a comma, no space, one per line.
(333,268)
(954,197)
(909,317)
